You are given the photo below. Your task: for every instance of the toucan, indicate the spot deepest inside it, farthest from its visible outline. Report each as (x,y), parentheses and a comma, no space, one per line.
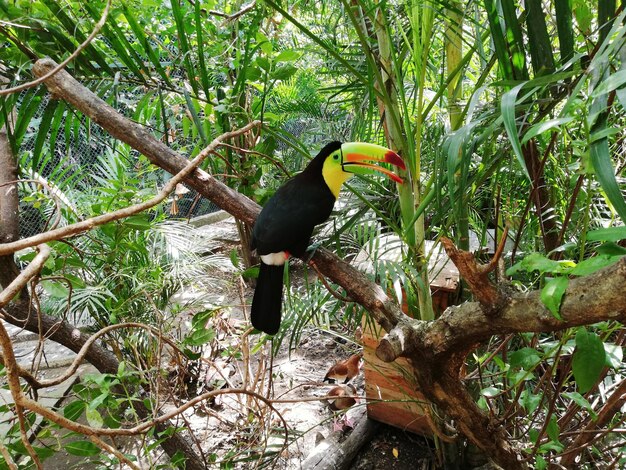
(286,222)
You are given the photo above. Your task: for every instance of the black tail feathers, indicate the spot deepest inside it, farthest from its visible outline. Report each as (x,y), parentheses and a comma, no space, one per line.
(268,298)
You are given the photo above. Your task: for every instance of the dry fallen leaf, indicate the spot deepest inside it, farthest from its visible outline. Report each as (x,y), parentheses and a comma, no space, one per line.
(395,452)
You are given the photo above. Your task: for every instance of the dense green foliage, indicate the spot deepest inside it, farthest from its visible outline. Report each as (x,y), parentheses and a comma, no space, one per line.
(507,113)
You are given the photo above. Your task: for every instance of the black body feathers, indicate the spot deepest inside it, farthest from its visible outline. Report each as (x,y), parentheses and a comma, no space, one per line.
(286,224)
(268,298)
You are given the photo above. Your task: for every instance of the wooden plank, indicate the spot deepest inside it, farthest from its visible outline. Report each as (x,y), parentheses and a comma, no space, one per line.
(392,396)
(335,453)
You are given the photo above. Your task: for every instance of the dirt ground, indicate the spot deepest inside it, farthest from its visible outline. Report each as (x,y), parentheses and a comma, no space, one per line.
(392,448)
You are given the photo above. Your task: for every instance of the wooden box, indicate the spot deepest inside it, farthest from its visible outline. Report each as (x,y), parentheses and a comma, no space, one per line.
(392,395)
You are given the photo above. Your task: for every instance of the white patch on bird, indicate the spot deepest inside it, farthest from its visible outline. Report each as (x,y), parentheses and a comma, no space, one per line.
(275,259)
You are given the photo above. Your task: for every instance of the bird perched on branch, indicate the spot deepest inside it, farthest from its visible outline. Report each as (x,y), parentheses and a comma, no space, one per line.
(285,225)
(344,371)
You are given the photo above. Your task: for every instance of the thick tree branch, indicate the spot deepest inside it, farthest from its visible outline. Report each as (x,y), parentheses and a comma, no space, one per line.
(88,224)
(587,300)
(64,86)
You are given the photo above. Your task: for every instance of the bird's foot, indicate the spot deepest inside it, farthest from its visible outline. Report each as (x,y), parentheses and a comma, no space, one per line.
(310,251)
(347,423)
(342,424)
(337,425)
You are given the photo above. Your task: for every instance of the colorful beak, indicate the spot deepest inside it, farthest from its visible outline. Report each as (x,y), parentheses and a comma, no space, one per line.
(355,155)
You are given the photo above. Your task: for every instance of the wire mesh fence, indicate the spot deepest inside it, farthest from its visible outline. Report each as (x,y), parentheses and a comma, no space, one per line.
(78,156)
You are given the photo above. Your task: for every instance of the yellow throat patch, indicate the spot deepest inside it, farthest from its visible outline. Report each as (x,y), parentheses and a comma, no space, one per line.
(333,174)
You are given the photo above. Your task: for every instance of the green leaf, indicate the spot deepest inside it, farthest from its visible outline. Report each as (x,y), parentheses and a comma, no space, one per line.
(200,337)
(589,359)
(530,401)
(74,410)
(538,262)
(234,258)
(253,73)
(611,83)
(611,249)
(56,289)
(609,234)
(552,294)
(602,162)
(551,446)
(82,448)
(191,354)
(540,463)
(490,392)
(200,319)
(553,429)
(94,418)
(545,126)
(283,72)
(583,15)
(264,43)
(138,222)
(533,435)
(591,265)
(518,376)
(580,401)
(526,358)
(288,55)
(44,452)
(251,273)
(604,133)
(264,63)
(508,118)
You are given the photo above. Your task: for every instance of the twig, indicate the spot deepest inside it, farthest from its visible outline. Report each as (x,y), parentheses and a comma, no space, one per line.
(29,272)
(476,275)
(58,68)
(7,457)
(83,350)
(245,9)
(88,224)
(16,389)
(493,264)
(329,288)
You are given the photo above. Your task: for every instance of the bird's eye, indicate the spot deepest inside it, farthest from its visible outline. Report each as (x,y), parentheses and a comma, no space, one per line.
(336,157)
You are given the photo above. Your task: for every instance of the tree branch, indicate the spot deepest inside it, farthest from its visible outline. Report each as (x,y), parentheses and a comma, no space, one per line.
(61,66)
(9,203)
(88,224)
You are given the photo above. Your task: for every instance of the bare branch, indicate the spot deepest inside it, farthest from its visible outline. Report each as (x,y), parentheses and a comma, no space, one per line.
(88,224)
(72,368)
(28,273)
(61,66)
